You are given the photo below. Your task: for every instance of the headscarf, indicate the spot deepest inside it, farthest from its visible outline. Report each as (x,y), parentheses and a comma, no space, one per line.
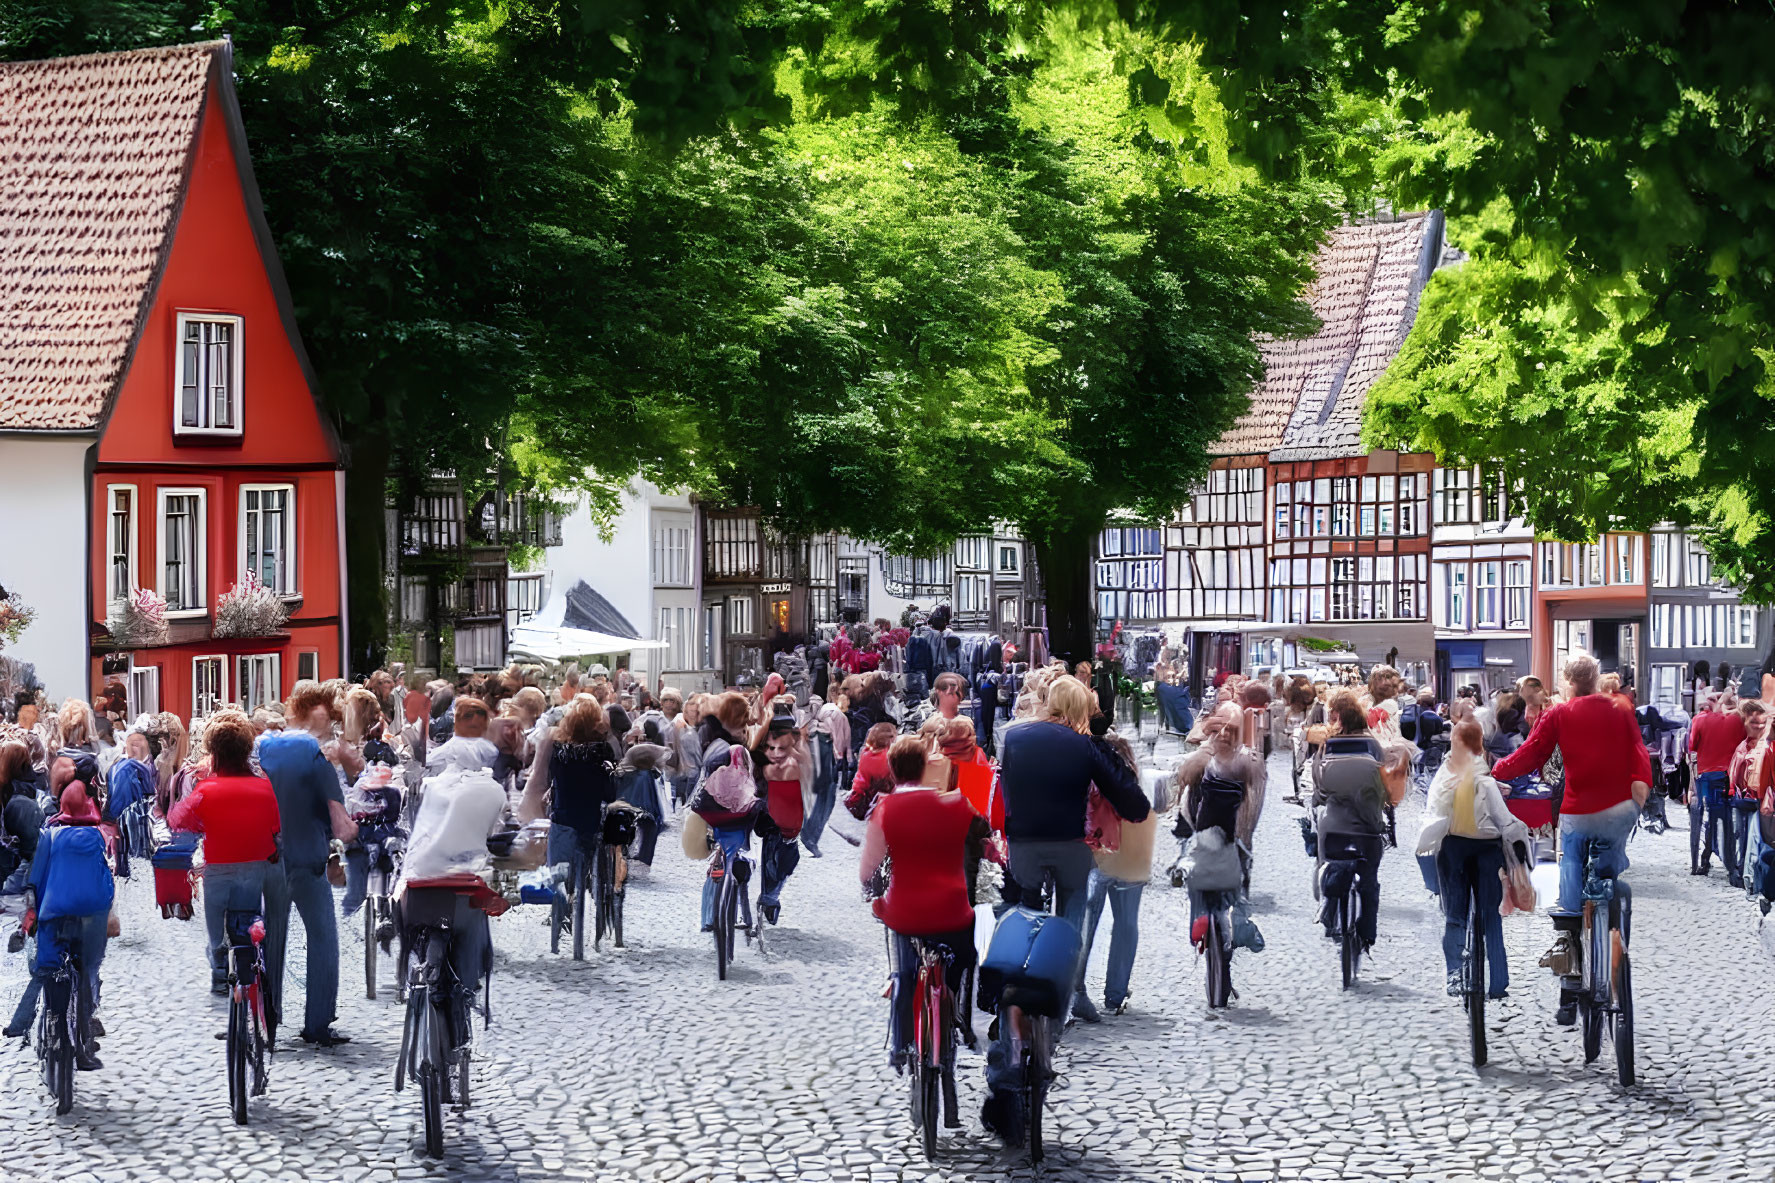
(77,807)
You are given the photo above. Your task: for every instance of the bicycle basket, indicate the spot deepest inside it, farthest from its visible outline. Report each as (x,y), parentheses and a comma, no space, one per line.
(1034,953)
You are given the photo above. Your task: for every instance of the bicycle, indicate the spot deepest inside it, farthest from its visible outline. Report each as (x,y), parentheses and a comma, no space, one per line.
(381,869)
(59,1035)
(732,871)
(598,876)
(435,1050)
(936,1019)
(1346,896)
(1473,980)
(1605,990)
(250,1028)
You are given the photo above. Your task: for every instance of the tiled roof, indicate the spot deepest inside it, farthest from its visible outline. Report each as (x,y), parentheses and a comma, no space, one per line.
(1309,404)
(93,158)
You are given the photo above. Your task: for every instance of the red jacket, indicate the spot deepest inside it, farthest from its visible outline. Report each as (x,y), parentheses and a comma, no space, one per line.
(1714,738)
(927,837)
(1603,752)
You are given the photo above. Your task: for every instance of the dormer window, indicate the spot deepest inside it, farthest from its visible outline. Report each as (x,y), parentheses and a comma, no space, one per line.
(207,384)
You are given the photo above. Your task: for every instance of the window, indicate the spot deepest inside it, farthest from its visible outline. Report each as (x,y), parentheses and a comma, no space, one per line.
(1343,589)
(973,593)
(1624,547)
(268,536)
(1667,685)
(1666,560)
(256,680)
(182,557)
(209,685)
(731,547)
(1593,564)
(1485,595)
(1454,496)
(121,533)
(1457,595)
(1663,626)
(1699,565)
(523,598)
(674,630)
(480,646)
(971,553)
(1741,626)
(208,382)
(1516,594)
(671,550)
(740,619)
(144,690)
(308,666)
(1010,560)
(1007,614)
(711,632)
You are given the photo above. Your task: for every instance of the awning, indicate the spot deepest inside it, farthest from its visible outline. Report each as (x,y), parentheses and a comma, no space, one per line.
(577,623)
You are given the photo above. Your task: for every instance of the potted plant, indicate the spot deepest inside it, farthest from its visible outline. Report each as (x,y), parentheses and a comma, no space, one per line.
(249,609)
(140,619)
(15,617)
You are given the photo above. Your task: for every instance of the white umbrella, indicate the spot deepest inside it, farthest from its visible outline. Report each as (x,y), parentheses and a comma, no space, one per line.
(556,644)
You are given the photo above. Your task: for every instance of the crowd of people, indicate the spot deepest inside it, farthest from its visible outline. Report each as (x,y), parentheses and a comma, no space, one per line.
(289,804)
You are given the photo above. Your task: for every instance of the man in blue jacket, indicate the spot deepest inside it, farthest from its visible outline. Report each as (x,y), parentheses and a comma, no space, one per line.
(311,805)
(69,894)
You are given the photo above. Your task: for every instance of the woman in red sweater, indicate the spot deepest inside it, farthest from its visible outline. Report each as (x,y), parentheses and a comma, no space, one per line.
(930,837)
(237,814)
(1607,779)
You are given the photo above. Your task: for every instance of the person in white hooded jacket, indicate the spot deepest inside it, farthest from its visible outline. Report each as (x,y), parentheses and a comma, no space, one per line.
(457,811)
(1466,823)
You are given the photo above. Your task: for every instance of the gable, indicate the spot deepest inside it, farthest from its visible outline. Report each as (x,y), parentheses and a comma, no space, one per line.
(215,267)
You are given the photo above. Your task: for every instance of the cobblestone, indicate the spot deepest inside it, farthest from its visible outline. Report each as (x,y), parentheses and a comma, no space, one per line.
(639,1064)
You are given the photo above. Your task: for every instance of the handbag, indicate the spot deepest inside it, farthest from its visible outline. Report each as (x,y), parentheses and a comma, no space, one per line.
(1211,863)
(1103,825)
(732,785)
(1519,889)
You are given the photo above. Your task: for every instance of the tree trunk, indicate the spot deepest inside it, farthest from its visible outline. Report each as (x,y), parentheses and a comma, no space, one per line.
(366,518)
(1064,557)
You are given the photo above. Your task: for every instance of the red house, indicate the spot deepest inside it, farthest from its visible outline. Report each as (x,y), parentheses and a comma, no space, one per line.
(159,422)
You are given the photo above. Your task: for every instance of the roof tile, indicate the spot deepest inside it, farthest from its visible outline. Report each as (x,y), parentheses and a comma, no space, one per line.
(93,154)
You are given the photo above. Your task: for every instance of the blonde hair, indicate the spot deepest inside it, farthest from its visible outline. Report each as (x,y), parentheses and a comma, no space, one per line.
(1583,672)
(583,721)
(1070,702)
(75,720)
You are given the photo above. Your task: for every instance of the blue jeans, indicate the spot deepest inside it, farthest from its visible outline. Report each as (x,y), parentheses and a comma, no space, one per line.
(1742,813)
(1071,865)
(1124,936)
(1709,822)
(237,887)
(307,889)
(825,793)
(89,941)
(905,957)
(1457,892)
(1603,833)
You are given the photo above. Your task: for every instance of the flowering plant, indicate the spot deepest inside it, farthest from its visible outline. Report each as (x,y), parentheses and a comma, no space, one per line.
(141,620)
(15,617)
(249,609)
(894,636)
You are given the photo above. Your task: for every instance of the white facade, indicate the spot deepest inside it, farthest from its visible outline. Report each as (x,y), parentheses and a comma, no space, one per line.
(43,518)
(650,569)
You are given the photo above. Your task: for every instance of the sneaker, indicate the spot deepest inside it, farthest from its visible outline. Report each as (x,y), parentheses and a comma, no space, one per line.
(1457,983)
(16,941)
(1735,880)
(86,1061)
(12,1032)
(1003,1118)
(1085,1010)
(97,1028)
(770,912)
(1497,995)
(219,987)
(1567,1014)
(1117,1008)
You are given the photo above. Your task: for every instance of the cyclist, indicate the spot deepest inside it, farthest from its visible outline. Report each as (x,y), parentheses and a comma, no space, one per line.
(70,880)
(1223,759)
(1713,737)
(1354,796)
(1046,771)
(237,814)
(579,771)
(1607,779)
(784,772)
(457,812)
(930,838)
(1463,821)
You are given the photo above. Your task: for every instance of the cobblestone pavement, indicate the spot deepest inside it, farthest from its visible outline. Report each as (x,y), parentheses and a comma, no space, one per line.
(641,1065)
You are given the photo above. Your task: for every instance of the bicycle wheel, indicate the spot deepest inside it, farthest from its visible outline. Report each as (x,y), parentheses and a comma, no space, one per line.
(238,1038)
(557,919)
(1623,1021)
(580,872)
(369,910)
(1037,1074)
(432,1068)
(462,1071)
(1350,946)
(60,1028)
(616,900)
(605,873)
(1220,976)
(1476,982)
(724,909)
(926,1074)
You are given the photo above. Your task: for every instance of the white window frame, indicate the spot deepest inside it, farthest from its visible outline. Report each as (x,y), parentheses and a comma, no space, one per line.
(1741,627)
(133,545)
(202,556)
(273,662)
(236,377)
(973,552)
(289,588)
(310,656)
(1488,593)
(671,550)
(1457,594)
(1015,550)
(220,699)
(973,592)
(144,683)
(741,616)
